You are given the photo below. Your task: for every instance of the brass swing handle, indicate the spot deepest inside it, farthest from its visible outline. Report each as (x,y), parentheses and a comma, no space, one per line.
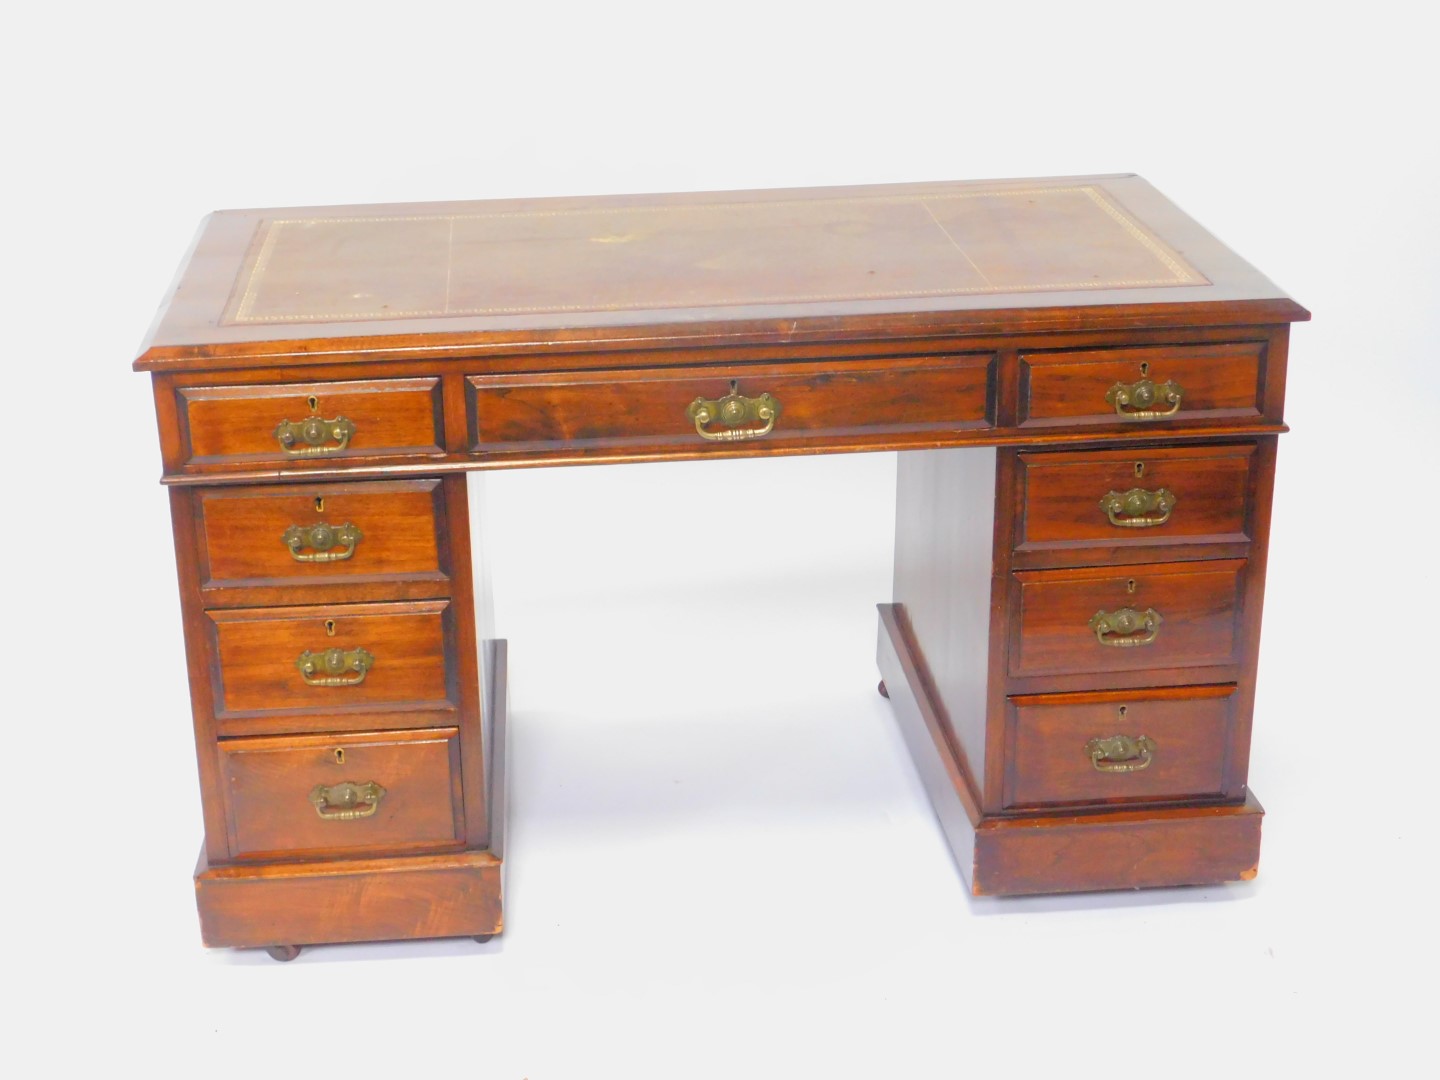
(1121,753)
(307,438)
(1126,627)
(731,411)
(346,801)
(1138,508)
(329,667)
(323,540)
(1133,401)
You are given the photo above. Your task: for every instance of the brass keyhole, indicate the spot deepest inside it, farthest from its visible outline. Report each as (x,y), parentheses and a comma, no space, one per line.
(1144,370)
(1130,585)
(329,627)
(319,504)
(1123,710)
(1139,469)
(313,402)
(340,753)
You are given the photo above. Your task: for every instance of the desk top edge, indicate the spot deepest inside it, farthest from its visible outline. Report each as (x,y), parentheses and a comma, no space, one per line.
(952,251)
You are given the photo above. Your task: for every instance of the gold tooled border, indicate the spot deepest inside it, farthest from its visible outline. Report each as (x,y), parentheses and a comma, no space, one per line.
(1179,272)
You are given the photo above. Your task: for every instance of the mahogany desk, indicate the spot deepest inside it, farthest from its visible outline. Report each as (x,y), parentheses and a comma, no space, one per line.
(1087,388)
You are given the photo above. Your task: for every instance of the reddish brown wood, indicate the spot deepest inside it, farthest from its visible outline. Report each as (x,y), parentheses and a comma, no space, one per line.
(1069,387)
(1138,849)
(257,650)
(1049,765)
(392,417)
(1059,851)
(945,502)
(269,782)
(646,409)
(805,365)
(917,261)
(201,674)
(1062,493)
(1199,604)
(242,534)
(333,900)
(468,670)
(1262,486)
(936,319)
(930,738)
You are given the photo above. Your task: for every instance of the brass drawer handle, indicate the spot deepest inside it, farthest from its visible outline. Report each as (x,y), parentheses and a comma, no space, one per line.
(304,438)
(1133,401)
(1138,508)
(346,801)
(1124,624)
(329,667)
(323,539)
(731,411)
(1121,753)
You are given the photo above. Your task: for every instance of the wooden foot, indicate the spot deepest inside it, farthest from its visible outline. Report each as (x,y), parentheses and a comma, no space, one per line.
(283,953)
(884,690)
(482,938)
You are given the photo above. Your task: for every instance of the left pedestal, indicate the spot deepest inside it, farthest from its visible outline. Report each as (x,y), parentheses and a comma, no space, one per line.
(450,894)
(349,712)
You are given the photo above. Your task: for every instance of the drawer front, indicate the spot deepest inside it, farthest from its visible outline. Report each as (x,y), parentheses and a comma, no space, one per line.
(1215,383)
(1127,618)
(355,657)
(378,791)
(376,418)
(320,534)
(648,410)
(1094,748)
(1130,498)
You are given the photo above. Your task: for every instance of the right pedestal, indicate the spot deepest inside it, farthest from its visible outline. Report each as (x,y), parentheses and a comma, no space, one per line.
(1071,658)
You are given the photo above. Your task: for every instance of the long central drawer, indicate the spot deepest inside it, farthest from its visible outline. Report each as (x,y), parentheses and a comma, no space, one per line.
(688,408)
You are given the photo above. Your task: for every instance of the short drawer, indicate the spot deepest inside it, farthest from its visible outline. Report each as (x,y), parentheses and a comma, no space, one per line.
(1148,386)
(1126,618)
(1113,747)
(320,534)
(644,411)
(383,791)
(1130,498)
(318,662)
(305,422)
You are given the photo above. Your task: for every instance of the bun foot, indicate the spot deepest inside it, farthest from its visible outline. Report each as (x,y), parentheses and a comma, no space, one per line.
(283,953)
(482,938)
(884,690)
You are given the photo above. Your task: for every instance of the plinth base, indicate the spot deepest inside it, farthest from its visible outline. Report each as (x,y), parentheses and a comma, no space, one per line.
(280,905)
(1056,853)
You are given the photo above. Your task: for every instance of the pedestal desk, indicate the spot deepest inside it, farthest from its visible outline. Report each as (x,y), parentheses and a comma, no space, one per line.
(1085,387)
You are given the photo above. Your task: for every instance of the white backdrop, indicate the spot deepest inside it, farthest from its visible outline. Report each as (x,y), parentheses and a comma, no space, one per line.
(721,864)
